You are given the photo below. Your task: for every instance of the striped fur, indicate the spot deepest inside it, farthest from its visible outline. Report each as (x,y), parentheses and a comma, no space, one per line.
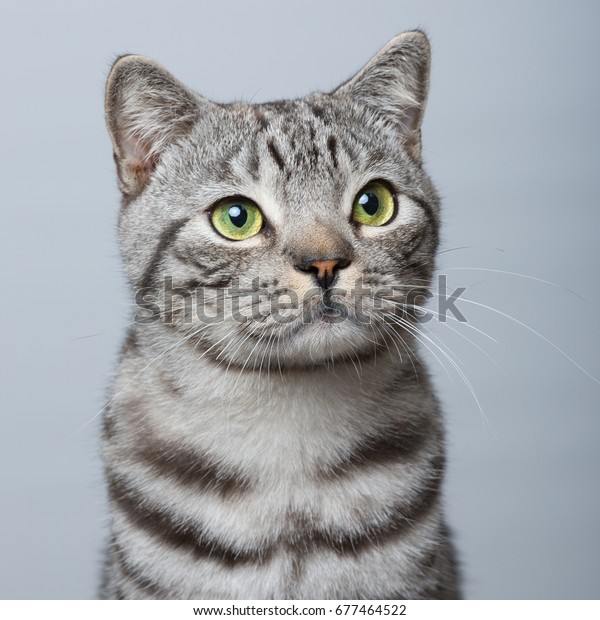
(258,459)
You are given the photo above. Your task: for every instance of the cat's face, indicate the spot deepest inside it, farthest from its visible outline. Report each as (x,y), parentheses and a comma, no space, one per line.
(278,234)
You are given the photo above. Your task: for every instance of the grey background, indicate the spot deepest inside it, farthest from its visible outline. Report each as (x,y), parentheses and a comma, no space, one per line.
(512,139)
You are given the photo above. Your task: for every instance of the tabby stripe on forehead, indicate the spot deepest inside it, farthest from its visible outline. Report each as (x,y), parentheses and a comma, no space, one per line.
(317,110)
(167,238)
(253,163)
(171,529)
(275,154)
(191,469)
(332,147)
(263,121)
(353,153)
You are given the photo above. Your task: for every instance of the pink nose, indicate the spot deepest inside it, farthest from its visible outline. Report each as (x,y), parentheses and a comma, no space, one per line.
(325,268)
(325,271)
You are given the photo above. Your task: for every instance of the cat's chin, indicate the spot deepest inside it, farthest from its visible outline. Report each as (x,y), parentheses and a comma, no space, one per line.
(326,339)
(322,340)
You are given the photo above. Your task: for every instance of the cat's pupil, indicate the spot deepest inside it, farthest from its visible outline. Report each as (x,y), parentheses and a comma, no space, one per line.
(238,215)
(369,202)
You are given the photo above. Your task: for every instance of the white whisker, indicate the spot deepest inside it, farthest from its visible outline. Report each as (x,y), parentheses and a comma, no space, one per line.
(533,331)
(520,275)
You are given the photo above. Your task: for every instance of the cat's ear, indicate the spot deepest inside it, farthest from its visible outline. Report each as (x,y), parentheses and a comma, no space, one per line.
(394,85)
(146,110)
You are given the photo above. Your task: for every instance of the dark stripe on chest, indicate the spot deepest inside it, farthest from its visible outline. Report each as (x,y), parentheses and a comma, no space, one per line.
(172,530)
(401,520)
(135,575)
(304,536)
(399,443)
(191,470)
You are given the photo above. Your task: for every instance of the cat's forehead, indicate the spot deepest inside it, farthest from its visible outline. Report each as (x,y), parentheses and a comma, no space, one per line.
(311,147)
(303,153)
(299,145)
(316,112)
(312,129)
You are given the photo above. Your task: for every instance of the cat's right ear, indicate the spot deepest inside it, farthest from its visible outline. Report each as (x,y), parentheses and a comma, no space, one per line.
(393,85)
(146,110)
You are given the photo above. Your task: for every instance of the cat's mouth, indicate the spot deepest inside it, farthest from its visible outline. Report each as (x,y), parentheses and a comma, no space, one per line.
(326,309)
(325,330)
(333,323)
(328,312)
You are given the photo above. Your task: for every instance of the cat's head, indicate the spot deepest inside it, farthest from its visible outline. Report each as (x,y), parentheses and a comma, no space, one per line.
(288,232)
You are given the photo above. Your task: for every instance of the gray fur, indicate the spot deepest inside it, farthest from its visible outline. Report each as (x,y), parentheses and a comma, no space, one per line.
(261,459)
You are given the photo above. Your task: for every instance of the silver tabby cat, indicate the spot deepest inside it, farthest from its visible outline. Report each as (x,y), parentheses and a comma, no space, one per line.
(271,432)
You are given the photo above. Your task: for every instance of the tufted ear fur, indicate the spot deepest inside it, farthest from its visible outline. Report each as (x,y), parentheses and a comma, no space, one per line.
(146,110)
(394,85)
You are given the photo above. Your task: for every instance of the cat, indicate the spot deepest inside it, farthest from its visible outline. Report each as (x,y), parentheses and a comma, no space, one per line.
(277,436)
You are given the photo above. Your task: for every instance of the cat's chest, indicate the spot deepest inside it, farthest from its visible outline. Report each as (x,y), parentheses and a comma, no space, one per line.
(291,425)
(286,423)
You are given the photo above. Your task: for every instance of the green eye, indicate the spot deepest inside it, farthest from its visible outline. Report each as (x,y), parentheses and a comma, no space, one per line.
(237,219)
(374,205)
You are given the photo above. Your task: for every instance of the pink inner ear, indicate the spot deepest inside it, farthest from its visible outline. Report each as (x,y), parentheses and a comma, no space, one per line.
(410,119)
(135,163)
(137,153)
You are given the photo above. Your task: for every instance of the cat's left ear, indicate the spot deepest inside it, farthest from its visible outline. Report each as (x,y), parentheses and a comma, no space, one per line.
(394,85)
(147,109)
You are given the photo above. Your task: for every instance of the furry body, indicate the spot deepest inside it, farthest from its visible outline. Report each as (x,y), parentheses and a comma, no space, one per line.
(261,459)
